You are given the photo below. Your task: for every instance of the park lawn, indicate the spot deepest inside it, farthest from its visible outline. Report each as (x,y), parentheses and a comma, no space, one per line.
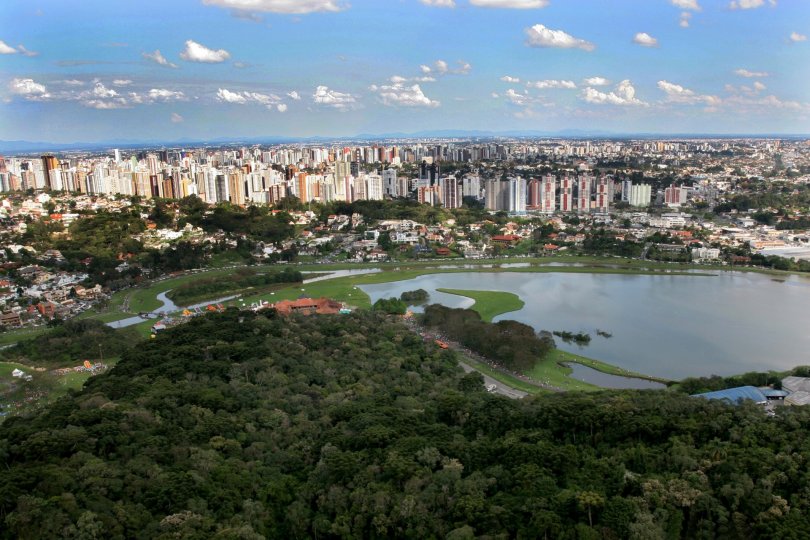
(13,336)
(489,304)
(552,371)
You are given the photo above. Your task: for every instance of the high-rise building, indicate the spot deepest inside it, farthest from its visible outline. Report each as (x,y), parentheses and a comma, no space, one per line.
(450,192)
(566,194)
(640,195)
(517,195)
(533,199)
(497,195)
(548,194)
(584,193)
(471,186)
(604,194)
(390,185)
(675,195)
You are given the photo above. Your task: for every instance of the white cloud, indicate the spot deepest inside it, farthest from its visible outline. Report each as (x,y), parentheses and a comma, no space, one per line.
(742,72)
(675,93)
(339,100)
(623,94)
(686,4)
(440,67)
(196,52)
(683,22)
(596,81)
(796,37)
(122,82)
(271,101)
(161,94)
(551,83)
(400,95)
(759,87)
(102,104)
(293,7)
(294,95)
(508,79)
(6,49)
(439,3)
(510,4)
(281,107)
(223,94)
(29,89)
(541,36)
(516,97)
(748,4)
(73,82)
(645,40)
(158,58)
(25,52)
(176,118)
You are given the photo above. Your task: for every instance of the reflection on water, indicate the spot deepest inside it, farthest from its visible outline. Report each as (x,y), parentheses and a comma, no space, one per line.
(670,326)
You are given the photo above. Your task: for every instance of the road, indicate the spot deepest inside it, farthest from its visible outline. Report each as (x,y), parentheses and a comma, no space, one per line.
(500,388)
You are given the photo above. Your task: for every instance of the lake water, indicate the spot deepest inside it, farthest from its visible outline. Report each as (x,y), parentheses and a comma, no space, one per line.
(663,325)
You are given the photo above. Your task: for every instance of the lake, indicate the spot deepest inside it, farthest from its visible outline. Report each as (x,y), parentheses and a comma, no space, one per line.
(663,325)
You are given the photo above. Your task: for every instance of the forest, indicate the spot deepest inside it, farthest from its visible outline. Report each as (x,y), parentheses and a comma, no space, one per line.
(512,344)
(242,425)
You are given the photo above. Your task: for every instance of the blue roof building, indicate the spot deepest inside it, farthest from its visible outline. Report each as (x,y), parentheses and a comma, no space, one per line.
(735,395)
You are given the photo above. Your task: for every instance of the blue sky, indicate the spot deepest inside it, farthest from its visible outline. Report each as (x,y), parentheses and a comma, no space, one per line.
(87,70)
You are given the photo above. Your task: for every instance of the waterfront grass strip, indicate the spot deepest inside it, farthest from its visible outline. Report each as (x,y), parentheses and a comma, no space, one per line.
(489,304)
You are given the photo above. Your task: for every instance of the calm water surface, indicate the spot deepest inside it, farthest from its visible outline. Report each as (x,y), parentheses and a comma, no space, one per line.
(662,325)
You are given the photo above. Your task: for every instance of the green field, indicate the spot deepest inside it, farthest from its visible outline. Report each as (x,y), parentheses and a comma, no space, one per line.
(489,304)
(13,336)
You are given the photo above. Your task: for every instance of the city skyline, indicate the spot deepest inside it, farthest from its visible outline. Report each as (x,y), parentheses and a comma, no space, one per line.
(210,69)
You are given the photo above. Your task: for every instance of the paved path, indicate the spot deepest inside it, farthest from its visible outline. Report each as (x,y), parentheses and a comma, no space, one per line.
(500,388)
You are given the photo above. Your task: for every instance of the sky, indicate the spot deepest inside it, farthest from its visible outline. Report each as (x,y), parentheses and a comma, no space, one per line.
(99,70)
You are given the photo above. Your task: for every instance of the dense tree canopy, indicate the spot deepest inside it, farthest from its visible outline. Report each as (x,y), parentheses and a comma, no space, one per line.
(238,425)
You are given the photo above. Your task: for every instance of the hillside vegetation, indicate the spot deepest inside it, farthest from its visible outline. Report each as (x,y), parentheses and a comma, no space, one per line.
(238,425)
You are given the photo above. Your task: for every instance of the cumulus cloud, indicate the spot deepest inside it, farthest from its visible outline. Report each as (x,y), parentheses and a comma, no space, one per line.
(645,40)
(270,101)
(323,95)
(683,22)
(73,82)
(291,7)
(596,81)
(508,79)
(510,4)
(541,36)
(121,82)
(158,58)
(551,83)
(517,98)
(748,4)
(675,93)
(294,95)
(398,94)
(796,37)
(439,3)
(281,107)
(6,49)
(742,72)
(28,89)
(623,94)
(440,67)
(162,94)
(176,118)
(196,52)
(686,4)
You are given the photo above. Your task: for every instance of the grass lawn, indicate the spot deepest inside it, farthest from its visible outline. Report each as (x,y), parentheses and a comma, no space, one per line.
(13,336)
(489,304)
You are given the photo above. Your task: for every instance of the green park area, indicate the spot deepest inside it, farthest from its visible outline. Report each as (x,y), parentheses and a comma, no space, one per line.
(489,304)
